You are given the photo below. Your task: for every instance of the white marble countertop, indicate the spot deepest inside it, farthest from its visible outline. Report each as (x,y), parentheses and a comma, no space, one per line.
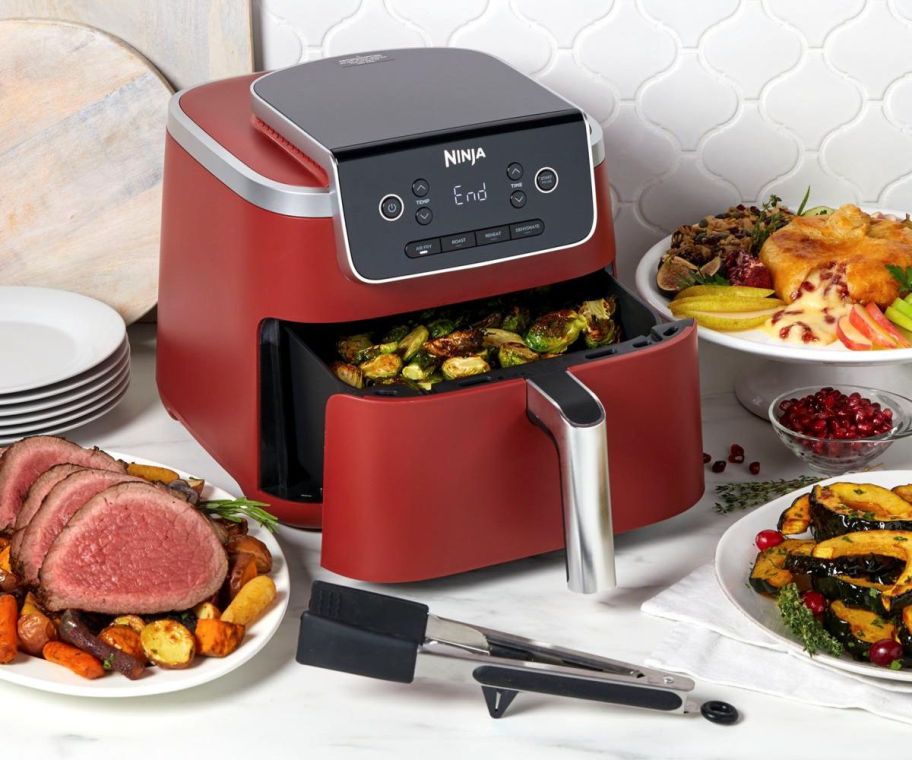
(273,708)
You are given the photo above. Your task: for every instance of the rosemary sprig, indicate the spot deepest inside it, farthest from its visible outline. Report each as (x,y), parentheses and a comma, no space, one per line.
(753,493)
(807,194)
(235,510)
(804,625)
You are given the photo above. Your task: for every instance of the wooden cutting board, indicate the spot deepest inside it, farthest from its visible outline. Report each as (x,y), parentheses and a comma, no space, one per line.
(82,128)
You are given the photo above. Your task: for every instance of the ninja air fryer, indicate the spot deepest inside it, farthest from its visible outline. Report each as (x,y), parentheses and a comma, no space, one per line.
(306,203)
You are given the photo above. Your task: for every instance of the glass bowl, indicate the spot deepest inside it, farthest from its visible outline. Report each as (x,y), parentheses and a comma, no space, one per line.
(834,456)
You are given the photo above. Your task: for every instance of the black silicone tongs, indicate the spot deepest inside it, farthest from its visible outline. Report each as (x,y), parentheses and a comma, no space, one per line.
(370,634)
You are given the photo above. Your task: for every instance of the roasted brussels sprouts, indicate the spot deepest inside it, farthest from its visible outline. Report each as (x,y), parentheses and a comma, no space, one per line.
(396,334)
(458,343)
(490,319)
(601,329)
(372,352)
(555,331)
(514,354)
(410,344)
(421,367)
(426,385)
(516,319)
(348,373)
(350,346)
(464,366)
(494,337)
(384,365)
(442,326)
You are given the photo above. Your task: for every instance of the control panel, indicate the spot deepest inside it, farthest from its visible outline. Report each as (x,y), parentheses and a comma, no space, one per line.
(431,205)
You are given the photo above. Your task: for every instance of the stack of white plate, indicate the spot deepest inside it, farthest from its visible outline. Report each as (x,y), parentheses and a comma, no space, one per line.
(64,361)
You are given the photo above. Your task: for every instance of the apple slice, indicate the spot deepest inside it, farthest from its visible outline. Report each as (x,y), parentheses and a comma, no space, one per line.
(886,325)
(850,337)
(905,307)
(865,324)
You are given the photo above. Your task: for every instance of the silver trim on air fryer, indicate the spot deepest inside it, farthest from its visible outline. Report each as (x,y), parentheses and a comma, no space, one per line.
(265,193)
(585,489)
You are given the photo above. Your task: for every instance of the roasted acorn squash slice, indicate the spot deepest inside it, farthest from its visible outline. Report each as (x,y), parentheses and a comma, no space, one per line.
(769,573)
(904,492)
(875,543)
(855,592)
(904,630)
(840,508)
(797,518)
(857,629)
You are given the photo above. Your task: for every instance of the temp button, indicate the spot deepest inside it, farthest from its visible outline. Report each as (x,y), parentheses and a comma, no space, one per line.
(527,229)
(421,248)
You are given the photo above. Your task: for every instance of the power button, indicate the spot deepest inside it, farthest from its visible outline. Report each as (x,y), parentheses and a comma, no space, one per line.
(391,207)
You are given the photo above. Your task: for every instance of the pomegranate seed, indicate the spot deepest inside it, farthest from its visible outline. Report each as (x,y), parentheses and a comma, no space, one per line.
(754,468)
(707,458)
(718,465)
(833,415)
(815,602)
(767,538)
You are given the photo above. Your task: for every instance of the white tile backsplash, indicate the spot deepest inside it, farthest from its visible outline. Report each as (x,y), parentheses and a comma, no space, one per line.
(704,103)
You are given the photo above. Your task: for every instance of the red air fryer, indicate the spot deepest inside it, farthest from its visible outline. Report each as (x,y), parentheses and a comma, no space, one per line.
(302,202)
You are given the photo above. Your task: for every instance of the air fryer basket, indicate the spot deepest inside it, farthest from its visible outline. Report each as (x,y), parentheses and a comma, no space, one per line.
(296,382)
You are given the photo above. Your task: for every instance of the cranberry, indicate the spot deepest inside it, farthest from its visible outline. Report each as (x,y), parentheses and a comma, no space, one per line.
(707,458)
(885,652)
(767,538)
(754,468)
(815,602)
(718,465)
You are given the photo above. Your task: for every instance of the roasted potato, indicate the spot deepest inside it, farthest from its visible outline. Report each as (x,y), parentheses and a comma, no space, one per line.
(35,630)
(251,601)
(130,621)
(197,484)
(124,638)
(241,570)
(253,546)
(168,644)
(217,638)
(206,611)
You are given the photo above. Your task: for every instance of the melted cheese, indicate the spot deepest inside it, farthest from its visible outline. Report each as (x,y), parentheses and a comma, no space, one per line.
(810,319)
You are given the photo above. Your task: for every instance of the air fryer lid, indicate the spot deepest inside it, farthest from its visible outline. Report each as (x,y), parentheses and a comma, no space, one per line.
(363,100)
(440,159)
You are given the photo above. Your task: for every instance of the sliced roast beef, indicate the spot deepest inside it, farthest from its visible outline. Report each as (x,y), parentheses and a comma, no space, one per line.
(54,512)
(135,548)
(46,481)
(25,460)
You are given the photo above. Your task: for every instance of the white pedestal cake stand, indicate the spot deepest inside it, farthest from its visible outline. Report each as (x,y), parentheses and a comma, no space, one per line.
(784,366)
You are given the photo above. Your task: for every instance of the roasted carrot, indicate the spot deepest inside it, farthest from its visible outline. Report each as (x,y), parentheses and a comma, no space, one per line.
(81,663)
(9,638)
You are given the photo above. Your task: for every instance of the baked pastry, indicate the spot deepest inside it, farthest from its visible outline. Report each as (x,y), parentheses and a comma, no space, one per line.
(851,245)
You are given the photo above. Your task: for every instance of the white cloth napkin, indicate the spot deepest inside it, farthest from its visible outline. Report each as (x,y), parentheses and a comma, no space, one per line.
(714,641)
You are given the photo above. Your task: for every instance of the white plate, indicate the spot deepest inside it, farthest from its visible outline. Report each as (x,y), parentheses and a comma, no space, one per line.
(30,422)
(757,341)
(735,556)
(49,335)
(40,674)
(100,370)
(67,402)
(56,428)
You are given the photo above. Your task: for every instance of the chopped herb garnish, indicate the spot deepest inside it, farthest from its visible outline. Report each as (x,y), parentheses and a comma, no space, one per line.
(801,621)
(847,539)
(873,593)
(235,510)
(859,491)
(108,662)
(752,493)
(902,276)
(896,665)
(878,622)
(900,538)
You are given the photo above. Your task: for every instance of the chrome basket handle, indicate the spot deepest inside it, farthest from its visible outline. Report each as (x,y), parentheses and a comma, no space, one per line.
(575,419)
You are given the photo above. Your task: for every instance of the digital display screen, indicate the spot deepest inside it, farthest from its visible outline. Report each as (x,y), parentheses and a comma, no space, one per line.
(463,194)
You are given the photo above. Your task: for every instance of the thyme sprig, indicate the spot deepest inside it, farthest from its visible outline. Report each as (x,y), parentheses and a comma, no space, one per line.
(235,510)
(753,493)
(801,622)
(769,220)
